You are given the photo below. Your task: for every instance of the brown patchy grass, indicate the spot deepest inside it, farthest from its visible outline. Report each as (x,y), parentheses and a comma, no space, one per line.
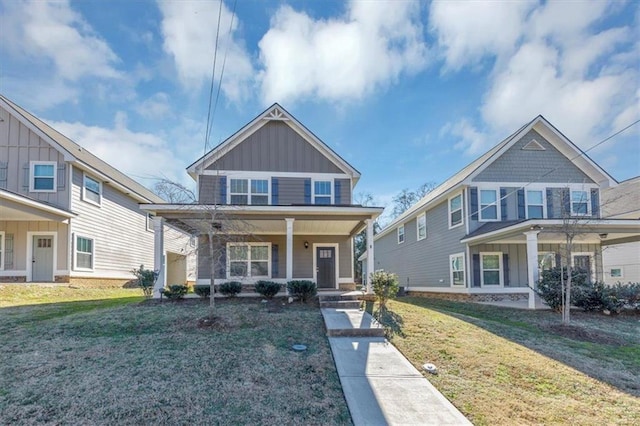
(507,366)
(119,362)
(31,294)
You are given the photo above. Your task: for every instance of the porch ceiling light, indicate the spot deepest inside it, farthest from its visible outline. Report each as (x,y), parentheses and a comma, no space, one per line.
(536,228)
(603,236)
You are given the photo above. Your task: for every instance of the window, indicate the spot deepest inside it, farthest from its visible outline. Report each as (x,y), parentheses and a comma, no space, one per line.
(546,262)
(400,234)
(456,268)
(488,204)
(249,260)
(43,176)
(239,191)
(579,203)
(421,225)
(322,192)
(92,191)
(535,204)
(84,253)
(455,211)
(616,272)
(491,268)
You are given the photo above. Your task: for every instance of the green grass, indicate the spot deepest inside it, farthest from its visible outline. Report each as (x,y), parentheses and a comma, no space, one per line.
(34,294)
(508,366)
(120,361)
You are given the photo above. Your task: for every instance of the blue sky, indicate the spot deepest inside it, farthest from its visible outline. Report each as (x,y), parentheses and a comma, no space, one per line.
(408,92)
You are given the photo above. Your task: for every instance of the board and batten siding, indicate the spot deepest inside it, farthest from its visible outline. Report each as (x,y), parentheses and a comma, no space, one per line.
(18,147)
(275,147)
(19,230)
(209,189)
(423,263)
(524,165)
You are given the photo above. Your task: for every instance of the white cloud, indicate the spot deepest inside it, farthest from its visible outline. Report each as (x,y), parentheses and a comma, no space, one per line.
(155,107)
(343,58)
(53,31)
(189,29)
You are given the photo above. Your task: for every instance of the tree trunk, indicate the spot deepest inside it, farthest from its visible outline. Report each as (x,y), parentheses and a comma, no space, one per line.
(212,272)
(566,311)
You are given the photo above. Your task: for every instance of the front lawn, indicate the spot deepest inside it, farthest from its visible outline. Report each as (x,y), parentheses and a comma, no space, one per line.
(119,361)
(508,366)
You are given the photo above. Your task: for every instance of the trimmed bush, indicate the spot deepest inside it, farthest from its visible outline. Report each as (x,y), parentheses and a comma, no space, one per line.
(204,291)
(267,289)
(230,288)
(550,287)
(175,291)
(385,287)
(629,293)
(613,299)
(304,289)
(146,280)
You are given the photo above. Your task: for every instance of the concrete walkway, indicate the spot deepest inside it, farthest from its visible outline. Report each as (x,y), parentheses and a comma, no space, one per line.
(380,385)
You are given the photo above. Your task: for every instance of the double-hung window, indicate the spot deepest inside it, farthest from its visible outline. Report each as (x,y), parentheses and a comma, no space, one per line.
(421,225)
(400,234)
(43,176)
(491,269)
(455,211)
(456,268)
(535,204)
(84,253)
(249,260)
(249,191)
(92,190)
(239,191)
(579,203)
(488,204)
(322,192)
(259,192)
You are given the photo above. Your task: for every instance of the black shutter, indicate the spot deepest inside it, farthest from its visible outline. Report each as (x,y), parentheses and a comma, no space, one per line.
(566,202)
(274,191)
(521,206)
(8,252)
(476,270)
(337,197)
(474,203)
(307,191)
(25,177)
(503,203)
(61,176)
(550,213)
(558,260)
(595,203)
(274,261)
(3,174)
(505,267)
(222,181)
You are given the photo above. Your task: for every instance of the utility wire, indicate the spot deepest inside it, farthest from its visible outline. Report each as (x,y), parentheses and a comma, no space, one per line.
(213,74)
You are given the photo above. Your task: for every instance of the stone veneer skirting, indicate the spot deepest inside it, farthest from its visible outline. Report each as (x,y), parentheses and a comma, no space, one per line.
(465,297)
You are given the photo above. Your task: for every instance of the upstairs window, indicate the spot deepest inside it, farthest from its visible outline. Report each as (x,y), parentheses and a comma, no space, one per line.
(259,192)
(400,234)
(535,205)
(322,192)
(579,203)
(239,191)
(92,191)
(421,224)
(456,269)
(43,176)
(488,204)
(455,211)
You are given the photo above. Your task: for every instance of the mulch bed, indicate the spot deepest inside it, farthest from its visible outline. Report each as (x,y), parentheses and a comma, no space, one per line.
(584,334)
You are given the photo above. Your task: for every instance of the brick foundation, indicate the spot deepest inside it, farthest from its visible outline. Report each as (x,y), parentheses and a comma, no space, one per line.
(102,282)
(464,297)
(13,279)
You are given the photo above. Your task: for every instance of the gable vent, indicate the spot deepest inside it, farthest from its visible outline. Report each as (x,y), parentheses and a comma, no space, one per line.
(533,145)
(276,114)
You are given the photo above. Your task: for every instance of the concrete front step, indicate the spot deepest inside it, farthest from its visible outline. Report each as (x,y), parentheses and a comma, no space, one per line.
(350,323)
(340,304)
(337,297)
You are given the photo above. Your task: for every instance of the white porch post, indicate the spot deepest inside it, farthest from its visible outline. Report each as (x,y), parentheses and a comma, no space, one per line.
(371,260)
(158,255)
(532,265)
(289,248)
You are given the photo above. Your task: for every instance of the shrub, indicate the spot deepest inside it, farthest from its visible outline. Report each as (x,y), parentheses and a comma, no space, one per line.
(303,289)
(628,293)
(550,287)
(230,288)
(268,289)
(593,297)
(175,291)
(146,280)
(385,286)
(204,291)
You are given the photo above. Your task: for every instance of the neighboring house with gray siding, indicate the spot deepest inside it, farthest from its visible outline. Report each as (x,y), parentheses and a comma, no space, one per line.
(489,230)
(67,216)
(291,193)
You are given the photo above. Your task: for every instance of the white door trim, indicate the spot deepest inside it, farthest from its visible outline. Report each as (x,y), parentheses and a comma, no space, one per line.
(29,263)
(337,261)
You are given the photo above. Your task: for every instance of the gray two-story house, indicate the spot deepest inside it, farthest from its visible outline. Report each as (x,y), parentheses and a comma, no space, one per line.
(68,216)
(283,200)
(488,231)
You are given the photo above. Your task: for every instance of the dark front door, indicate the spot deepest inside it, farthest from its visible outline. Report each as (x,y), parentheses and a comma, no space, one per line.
(326,267)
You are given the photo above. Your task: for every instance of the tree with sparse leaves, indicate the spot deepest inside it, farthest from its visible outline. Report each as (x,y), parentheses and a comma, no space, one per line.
(406,198)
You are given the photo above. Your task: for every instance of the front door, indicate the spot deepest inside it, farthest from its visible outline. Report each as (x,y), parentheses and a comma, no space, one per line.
(583,263)
(326,267)
(42,261)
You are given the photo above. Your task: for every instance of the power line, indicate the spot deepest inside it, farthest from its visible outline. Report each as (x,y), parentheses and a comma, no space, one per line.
(213,74)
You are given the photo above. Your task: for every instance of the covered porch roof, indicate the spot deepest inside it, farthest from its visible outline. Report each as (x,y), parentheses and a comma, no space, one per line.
(587,230)
(270,220)
(17,207)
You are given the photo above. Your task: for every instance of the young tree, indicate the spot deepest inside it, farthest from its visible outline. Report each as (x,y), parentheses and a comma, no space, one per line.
(406,198)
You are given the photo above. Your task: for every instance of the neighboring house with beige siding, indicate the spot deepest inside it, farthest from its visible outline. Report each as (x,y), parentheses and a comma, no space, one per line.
(292,194)
(488,231)
(66,215)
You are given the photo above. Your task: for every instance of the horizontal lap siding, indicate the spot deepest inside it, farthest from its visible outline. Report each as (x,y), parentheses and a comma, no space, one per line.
(625,256)
(19,231)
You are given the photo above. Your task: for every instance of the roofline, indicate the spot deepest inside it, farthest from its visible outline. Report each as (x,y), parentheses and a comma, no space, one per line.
(21,199)
(266,210)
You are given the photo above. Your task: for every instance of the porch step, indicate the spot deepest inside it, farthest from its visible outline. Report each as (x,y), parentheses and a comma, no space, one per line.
(340,304)
(337,297)
(350,323)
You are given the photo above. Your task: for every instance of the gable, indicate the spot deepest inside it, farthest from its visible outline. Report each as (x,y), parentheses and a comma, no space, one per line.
(275,147)
(521,163)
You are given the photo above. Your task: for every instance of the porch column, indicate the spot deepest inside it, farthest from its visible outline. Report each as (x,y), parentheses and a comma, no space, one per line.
(371,262)
(289,248)
(532,265)
(158,255)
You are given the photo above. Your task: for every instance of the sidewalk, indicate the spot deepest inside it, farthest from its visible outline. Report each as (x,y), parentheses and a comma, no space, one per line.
(380,385)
